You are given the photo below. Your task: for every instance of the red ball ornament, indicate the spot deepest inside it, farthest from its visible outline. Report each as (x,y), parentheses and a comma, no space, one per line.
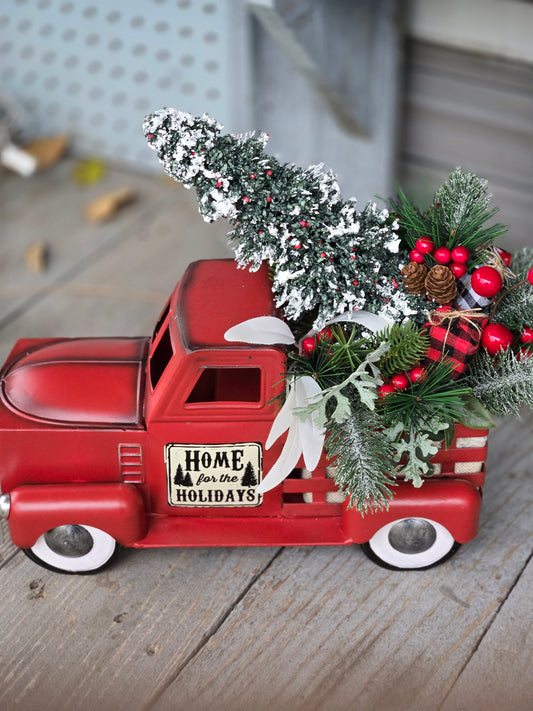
(460,254)
(400,381)
(442,255)
(487,281)
(527,335)
(417,373)
(530,276)
(524,353)
(325,333)
(416,256)
(457,269)
(385,390)
(424,245)
(506,257)
(496,337)
(308,345)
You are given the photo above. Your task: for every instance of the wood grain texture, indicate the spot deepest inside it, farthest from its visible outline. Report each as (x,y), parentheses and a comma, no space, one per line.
(323,627)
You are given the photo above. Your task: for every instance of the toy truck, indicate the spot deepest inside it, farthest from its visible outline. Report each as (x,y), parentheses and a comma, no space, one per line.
(160,442)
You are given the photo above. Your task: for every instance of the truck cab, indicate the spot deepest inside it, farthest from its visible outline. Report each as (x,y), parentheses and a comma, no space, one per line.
(160,442)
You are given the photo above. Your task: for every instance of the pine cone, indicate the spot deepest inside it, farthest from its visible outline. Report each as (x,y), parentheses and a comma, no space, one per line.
(440,284)
(414,277)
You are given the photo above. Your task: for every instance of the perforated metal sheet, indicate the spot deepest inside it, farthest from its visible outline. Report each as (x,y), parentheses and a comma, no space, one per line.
(94,69)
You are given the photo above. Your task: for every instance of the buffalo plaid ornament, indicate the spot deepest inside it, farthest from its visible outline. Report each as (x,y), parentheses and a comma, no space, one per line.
(455,336)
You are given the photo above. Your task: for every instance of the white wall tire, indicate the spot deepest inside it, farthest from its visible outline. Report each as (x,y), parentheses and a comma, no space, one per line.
(73,549)
(411,543)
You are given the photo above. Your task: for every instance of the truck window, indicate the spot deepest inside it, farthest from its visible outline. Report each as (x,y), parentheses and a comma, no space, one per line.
(161,320)
(160,358)
(227,385)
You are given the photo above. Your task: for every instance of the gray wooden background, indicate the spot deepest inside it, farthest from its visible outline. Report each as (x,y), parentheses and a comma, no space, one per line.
(234,629)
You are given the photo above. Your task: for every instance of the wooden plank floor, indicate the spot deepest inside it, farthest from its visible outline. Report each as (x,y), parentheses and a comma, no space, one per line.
(231,629)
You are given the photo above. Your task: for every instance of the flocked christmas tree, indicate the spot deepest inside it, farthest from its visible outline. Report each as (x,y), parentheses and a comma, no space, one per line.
(326,256)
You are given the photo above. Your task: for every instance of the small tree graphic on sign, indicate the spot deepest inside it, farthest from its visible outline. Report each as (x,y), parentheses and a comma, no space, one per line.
(249,478)
(178,478)
(187,481)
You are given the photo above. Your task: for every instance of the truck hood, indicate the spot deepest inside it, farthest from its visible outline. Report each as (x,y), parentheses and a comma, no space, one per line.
(85,381)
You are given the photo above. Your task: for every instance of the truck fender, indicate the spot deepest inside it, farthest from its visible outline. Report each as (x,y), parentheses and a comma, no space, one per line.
(117,509)
(454,503)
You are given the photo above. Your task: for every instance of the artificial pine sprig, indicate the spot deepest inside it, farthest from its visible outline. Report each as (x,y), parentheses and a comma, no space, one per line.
(364,461)
(334,356)
(458,215)
(504,384)
(427,405)
(514,307)
(408,345)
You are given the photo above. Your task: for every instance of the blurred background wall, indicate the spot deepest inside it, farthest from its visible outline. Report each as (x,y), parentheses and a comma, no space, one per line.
(381,91)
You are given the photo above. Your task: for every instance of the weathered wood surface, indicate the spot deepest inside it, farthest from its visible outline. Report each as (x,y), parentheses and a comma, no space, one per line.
(232,629)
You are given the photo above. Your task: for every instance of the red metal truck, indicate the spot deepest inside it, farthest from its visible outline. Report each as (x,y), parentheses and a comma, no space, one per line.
(160,442)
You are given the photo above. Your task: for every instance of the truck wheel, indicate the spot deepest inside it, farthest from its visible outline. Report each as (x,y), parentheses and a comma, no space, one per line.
(410,543)
(73,548)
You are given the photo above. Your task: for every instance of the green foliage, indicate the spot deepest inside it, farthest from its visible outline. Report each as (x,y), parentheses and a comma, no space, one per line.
(334,405)
(515,307)
(408,345)
(458,215)
(364,464)
(333,359)
(429,404)
(417,447)
(504,384)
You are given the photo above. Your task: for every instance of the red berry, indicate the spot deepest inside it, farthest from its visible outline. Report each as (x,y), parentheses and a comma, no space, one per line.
(424,245)
(400,381)
(385,390)
(530,276)
(297,245)
(308,345)
(326,333)
(355,282)
(245,199)
(506,257)
(496,337)
(269,199)
(487,281)
(252,176)
(458,270)
(460,254)
(269,172)
(442,255)
(527,335)
(417,373)
(416,256)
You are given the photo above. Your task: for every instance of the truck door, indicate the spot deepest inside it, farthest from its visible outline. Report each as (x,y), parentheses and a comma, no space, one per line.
(208,449)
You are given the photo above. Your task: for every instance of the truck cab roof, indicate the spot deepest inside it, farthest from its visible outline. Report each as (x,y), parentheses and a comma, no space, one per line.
(214,295)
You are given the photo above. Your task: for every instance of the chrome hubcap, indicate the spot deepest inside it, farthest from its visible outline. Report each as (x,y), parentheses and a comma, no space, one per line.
(412,535)
(71,541)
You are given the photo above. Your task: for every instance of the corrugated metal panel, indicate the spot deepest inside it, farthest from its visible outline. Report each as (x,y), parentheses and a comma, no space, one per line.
(473,111)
